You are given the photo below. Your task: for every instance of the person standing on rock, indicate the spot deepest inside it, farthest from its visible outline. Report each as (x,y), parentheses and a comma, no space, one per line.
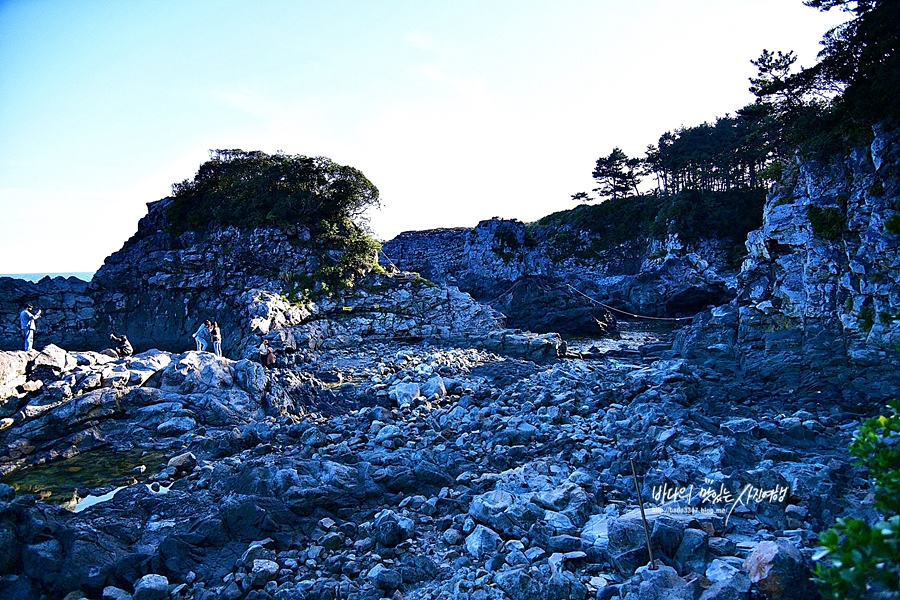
(202,336)
(215,335)
(26,321)
(266,355)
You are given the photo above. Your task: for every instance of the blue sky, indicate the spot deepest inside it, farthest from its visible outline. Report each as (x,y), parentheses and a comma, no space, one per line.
(457,111)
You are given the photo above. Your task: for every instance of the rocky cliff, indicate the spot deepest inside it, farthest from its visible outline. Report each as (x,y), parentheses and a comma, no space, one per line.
(649,277)
(818,303)
(260,282)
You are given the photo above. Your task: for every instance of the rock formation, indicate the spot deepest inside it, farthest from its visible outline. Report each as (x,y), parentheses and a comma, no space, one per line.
(159,288)
(648,277)
(818,302)
(408,445)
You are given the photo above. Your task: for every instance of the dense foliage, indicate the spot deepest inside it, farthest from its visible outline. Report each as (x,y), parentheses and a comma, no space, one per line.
(863,560)
(734,153)
(691,214)
(711,178)
(853,86)
(252,189)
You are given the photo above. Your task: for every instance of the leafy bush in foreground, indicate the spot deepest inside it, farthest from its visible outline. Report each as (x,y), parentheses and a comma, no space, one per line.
(862,560)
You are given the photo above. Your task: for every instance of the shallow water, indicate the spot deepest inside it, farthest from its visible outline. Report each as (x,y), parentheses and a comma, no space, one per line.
(57,481)
(633,334)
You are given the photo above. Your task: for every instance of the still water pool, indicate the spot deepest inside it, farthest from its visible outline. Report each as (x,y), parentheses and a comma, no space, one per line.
(58,481)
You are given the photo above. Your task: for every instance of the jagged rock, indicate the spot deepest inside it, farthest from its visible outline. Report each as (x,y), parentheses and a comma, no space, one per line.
(111,592)
(663,583)
(262,572)
(518,585)
(691,555)
(779,571)
(493,262)
(384,578)
(813,314)
(483,542)
(390,528)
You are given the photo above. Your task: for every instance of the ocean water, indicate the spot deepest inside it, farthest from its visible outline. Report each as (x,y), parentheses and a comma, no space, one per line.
(83,275)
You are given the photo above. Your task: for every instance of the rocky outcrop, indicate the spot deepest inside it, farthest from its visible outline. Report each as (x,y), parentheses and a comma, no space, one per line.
(159,288)
(648,277)
(818,303)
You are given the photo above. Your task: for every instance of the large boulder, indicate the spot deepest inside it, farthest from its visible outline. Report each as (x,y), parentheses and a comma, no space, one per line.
(778,570)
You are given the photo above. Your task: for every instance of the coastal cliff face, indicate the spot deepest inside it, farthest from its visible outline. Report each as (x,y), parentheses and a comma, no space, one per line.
(818,303)
(650,277)
(159,288)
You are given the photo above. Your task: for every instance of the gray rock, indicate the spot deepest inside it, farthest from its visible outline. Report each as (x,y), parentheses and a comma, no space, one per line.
(390,529)
(183,463)
(384,578)
(151,587)
(692,552)
(40,561)
(113,593)
(518,585)
(483,542)
(663,583)
(262,572)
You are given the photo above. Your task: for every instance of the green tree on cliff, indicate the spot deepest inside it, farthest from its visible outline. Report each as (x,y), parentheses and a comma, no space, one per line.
(252,189)
(617,176)
(853,86)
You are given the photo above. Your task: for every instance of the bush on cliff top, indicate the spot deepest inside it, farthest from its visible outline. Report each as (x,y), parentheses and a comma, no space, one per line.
(253,189)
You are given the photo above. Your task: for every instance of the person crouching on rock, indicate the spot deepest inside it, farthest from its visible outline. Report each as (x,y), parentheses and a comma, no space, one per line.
(202,336)
(26,321)
(215,335)
(123,346)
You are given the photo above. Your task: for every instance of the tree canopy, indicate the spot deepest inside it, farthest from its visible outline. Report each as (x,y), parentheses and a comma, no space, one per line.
(252,189)
(616,175)
(853,86)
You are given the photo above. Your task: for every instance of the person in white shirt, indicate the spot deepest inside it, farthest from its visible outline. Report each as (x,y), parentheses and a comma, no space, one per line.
(26,321)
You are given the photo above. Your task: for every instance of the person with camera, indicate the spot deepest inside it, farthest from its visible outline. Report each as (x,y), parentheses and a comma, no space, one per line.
(26,321)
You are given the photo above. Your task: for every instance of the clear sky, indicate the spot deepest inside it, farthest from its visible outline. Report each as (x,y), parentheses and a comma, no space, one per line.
(457,111)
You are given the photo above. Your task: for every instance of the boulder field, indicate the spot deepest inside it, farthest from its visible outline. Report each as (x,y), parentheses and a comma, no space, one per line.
(419,470)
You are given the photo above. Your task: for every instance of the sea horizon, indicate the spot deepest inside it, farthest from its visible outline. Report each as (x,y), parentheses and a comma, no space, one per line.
(35,277)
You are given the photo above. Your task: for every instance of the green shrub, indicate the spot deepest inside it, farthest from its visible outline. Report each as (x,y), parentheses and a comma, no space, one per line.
(827,223)
(692,214)
(773,171)
(892,225)
(505,243)
(848,304)
(862,560)
(254,189)
(866,318)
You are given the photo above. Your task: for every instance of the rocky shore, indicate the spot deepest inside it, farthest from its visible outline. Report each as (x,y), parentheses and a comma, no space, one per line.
(428,471)
(412,442)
